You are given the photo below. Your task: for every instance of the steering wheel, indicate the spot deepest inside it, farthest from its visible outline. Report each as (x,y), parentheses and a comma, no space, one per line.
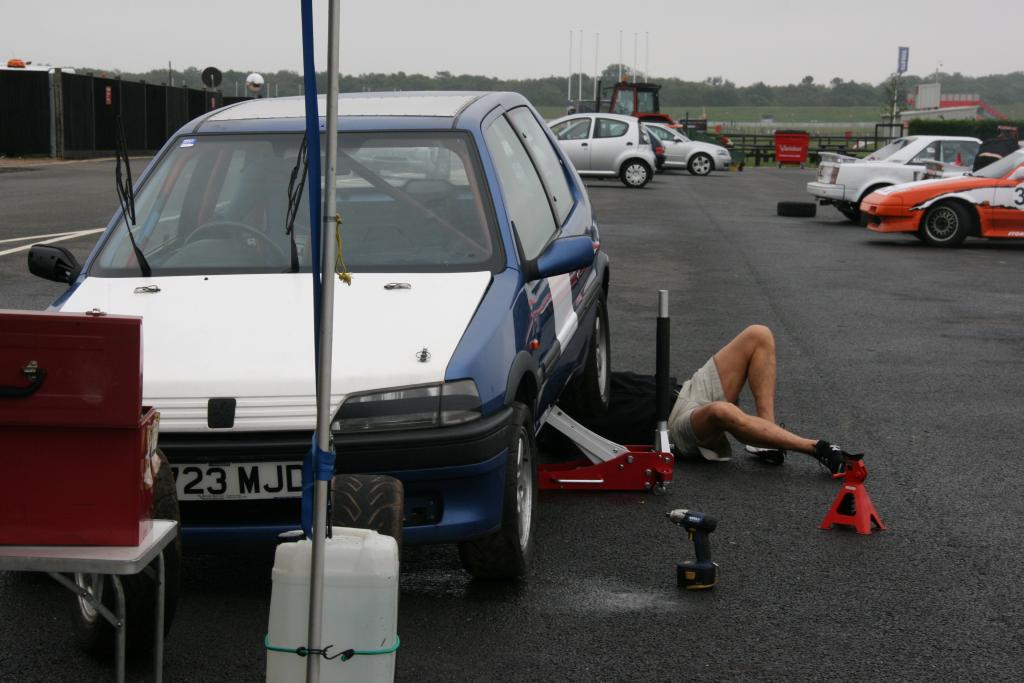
(218,226)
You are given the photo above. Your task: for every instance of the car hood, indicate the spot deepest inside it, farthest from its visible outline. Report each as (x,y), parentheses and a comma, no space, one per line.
(250,337)
(919,189)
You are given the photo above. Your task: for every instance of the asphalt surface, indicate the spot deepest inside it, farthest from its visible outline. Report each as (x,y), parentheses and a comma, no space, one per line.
(911,354)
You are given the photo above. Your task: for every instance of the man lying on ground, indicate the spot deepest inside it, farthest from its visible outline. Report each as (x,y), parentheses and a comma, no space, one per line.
(706,408)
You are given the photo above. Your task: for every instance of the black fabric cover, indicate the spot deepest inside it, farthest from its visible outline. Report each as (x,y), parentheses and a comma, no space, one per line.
(994,149)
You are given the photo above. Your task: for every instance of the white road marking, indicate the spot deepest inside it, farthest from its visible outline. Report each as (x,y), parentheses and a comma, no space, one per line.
(56,237)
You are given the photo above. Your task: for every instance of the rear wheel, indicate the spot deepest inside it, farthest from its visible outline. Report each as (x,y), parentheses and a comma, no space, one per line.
(851,212)
(946,225)
(506,553)
(589,392)
(700,164)
(635,173)
(95,634)
(368,501)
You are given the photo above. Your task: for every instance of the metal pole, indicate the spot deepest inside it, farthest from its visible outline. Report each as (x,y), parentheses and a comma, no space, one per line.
(661,372)
(568,94)
(597,41)
(579,88)
(326,339)
(647,56)
(634,56)
(620,56)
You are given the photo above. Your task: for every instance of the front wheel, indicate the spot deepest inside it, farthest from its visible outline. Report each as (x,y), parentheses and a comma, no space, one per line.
(589,392)
(946,225)
(95,634)
(700,164)
(506,553)
(635,173)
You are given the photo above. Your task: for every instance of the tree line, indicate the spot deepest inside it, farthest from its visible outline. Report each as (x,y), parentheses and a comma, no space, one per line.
(552,90)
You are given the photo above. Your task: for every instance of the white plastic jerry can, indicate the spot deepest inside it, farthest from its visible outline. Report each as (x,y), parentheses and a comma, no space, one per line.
(360,607)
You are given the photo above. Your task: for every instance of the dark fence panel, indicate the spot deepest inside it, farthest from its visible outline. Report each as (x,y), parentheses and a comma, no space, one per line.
(156,116)
(133,114)
(196,104)
(234,100)
(24,112)
(106,107)
(79,134)
(177,109)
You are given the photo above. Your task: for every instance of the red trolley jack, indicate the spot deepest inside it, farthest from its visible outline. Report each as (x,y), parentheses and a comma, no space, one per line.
(853,506)
(609,466)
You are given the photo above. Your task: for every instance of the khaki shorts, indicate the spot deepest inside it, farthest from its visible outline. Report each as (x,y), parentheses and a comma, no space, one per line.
(703,388)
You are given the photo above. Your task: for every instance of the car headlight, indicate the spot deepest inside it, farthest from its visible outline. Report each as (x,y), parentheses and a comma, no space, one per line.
(722,153)
(419,407)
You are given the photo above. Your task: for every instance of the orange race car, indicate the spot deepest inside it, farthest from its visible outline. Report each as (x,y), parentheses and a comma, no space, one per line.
(945,211)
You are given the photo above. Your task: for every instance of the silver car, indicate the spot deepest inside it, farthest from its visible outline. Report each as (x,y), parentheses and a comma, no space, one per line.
(607,145)
(699,158)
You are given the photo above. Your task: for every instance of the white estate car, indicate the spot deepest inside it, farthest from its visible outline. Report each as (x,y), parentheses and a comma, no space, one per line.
(607,145)
(699,158)
(844,181)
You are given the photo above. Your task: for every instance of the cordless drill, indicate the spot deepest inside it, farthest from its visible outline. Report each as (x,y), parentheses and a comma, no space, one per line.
(703,573)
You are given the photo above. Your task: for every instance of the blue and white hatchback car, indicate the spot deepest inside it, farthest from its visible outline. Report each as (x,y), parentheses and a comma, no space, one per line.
(478,296)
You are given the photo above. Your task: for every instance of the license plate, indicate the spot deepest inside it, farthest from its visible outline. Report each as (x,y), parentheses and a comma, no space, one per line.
(238,481)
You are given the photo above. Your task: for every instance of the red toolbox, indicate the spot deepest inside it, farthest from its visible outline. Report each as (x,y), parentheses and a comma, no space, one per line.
(77,448)
(791,146)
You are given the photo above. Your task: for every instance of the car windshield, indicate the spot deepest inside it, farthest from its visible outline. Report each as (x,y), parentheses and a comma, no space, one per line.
(997,169)
(217,204)
(889,150)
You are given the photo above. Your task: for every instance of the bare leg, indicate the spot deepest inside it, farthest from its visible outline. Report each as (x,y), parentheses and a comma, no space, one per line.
(711,420)
(750,359)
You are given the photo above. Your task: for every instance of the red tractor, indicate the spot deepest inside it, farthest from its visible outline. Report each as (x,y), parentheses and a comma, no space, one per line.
(632,99)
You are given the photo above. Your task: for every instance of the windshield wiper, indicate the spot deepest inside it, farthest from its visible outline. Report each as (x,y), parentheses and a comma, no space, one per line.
(126,196)
(294,195)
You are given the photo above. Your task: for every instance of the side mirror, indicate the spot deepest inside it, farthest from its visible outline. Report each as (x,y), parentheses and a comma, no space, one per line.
(562,256)
(53,263)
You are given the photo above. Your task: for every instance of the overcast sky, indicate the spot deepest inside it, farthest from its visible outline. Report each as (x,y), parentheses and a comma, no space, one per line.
(741,40)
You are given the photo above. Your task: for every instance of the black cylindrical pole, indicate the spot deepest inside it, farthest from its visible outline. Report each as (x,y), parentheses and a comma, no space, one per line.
(663,401)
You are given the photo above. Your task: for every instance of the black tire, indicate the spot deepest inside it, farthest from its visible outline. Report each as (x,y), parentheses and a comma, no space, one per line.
(95,634)
(590,391)
(635,173)
(797,209)
(851,212)
(506,553)
(700,164)
(946,224)
(369,501)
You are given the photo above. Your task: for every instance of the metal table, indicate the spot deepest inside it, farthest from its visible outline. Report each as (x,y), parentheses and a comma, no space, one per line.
(111,560)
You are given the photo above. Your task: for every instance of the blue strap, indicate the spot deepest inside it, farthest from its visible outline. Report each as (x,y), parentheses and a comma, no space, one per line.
(318,465)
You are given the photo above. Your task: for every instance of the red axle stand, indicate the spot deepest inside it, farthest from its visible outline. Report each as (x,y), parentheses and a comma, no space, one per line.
(864,512)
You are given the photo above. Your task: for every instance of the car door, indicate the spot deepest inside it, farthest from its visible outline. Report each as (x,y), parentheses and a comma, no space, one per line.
(1006,211)
(574,138)
(610,139)
(675,152)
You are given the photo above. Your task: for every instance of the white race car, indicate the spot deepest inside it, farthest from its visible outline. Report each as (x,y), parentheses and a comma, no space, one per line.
(845,181)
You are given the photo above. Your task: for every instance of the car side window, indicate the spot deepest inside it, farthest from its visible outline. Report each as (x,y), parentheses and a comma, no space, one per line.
(521,187)
(960,152)
(660,133)
(929,153)
(608,128)
(576,129)
(547,161)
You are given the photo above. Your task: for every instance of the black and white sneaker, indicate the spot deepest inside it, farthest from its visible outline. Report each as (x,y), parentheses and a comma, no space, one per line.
(830,456)
(771,456)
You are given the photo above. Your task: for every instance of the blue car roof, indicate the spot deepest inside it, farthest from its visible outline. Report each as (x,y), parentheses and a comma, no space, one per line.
(359,111)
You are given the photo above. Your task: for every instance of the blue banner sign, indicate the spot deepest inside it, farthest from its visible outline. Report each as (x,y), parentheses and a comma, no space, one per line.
(901,65)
